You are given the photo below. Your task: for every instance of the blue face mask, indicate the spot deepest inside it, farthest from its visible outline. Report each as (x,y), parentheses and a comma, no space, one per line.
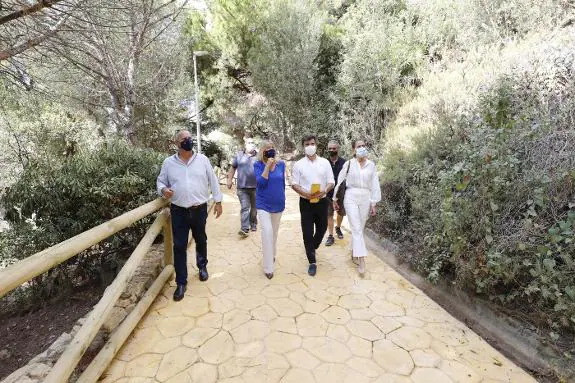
(361,152)
(270,153)
(187,144)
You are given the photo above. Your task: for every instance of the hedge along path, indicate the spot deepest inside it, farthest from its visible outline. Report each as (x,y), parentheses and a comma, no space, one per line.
(337,327)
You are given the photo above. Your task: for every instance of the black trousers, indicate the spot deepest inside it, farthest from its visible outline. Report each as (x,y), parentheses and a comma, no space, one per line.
(184,220)
(313,225)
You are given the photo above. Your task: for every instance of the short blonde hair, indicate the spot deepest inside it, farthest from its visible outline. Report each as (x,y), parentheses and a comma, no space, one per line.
(263,146)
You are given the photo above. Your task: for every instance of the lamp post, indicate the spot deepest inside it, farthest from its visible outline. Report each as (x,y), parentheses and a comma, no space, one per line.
(197,96)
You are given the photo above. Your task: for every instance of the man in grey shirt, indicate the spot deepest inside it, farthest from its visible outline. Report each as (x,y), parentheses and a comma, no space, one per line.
(243,162)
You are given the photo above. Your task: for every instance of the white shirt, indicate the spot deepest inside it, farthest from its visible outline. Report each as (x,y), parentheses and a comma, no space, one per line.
(190,182)
(365,177)
(306,172)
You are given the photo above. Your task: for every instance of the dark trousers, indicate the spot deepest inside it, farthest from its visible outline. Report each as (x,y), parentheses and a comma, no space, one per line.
(313,225)
(184,220)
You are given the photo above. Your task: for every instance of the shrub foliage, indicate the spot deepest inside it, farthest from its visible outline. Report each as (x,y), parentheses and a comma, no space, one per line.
(55,199)
(486,195)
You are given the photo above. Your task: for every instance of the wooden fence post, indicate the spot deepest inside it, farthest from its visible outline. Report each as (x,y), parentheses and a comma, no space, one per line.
(168,239)
(106,355)
(73,353)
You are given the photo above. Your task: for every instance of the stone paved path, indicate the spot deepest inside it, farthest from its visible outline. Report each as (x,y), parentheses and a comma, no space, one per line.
(336,327)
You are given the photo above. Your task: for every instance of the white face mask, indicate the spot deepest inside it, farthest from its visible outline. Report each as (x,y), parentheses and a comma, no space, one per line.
(310,150)
(361,152)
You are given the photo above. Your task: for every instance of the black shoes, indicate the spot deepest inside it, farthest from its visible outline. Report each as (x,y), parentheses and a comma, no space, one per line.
(330,240)
(339,232)
(269,275)
(204,274)
(179,293)
(312,269)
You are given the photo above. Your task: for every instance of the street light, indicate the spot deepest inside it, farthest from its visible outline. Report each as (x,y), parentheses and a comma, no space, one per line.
(197,92)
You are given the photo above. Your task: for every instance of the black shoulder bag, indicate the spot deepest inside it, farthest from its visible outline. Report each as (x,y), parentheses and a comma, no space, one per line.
(341,191)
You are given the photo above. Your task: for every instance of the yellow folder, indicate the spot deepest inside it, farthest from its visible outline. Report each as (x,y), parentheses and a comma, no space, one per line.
(314,189)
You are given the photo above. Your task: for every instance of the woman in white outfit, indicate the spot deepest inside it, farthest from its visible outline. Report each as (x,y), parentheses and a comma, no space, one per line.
(362,194)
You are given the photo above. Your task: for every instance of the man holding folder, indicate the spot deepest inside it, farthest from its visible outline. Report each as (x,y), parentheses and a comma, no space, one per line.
(312,179)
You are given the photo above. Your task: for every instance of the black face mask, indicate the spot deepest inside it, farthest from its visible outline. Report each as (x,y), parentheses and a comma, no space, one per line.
(187,144)
(333,153)
(270,153)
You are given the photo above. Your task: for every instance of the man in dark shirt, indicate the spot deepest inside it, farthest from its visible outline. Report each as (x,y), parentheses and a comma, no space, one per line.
(336,166)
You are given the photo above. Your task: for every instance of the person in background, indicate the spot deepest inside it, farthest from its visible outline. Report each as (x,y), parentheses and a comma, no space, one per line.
(336,165)
(246,186)
(312,179)
(270,201)
(186,178)
(362,194)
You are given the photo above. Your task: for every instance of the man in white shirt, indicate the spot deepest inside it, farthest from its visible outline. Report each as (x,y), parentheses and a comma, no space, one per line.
(313,206)
(187,179)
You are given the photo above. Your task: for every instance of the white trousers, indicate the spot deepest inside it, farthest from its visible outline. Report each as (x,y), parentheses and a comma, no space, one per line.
(269,226)
(357,204)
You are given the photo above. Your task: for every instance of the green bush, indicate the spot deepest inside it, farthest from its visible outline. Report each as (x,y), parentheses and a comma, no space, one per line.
(213,151)
(486,196)
(56,199)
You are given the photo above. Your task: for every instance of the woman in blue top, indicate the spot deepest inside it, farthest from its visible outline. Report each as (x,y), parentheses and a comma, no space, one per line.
(270,201)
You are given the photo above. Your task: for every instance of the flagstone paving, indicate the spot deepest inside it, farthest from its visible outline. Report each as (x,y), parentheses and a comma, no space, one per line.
(335,327)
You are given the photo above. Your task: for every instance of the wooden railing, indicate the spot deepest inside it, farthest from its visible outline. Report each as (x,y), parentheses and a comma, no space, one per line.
(23,271)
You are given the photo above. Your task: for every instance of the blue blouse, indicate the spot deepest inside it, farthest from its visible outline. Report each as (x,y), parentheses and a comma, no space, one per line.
(270,193)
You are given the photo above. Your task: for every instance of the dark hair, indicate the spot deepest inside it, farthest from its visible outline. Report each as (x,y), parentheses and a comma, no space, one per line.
(308,137)
(333,141)
(355,142)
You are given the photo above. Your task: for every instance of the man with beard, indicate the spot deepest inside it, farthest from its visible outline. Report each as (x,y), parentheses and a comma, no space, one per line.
(336,165)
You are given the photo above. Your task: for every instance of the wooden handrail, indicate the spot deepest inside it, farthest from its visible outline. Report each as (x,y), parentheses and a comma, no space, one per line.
(168,243)
(20,272)
(73,353)
(16,274)
(107,353)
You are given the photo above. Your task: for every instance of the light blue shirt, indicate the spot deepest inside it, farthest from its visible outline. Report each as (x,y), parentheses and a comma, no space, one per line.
(244,163)
(191,182)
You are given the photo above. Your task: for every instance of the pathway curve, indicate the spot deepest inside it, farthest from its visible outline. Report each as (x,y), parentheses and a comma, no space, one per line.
(335,327)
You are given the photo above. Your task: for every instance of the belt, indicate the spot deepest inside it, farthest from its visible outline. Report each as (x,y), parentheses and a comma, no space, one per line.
(188,208)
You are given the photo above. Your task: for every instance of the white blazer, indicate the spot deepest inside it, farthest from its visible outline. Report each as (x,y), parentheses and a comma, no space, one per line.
(365,177)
